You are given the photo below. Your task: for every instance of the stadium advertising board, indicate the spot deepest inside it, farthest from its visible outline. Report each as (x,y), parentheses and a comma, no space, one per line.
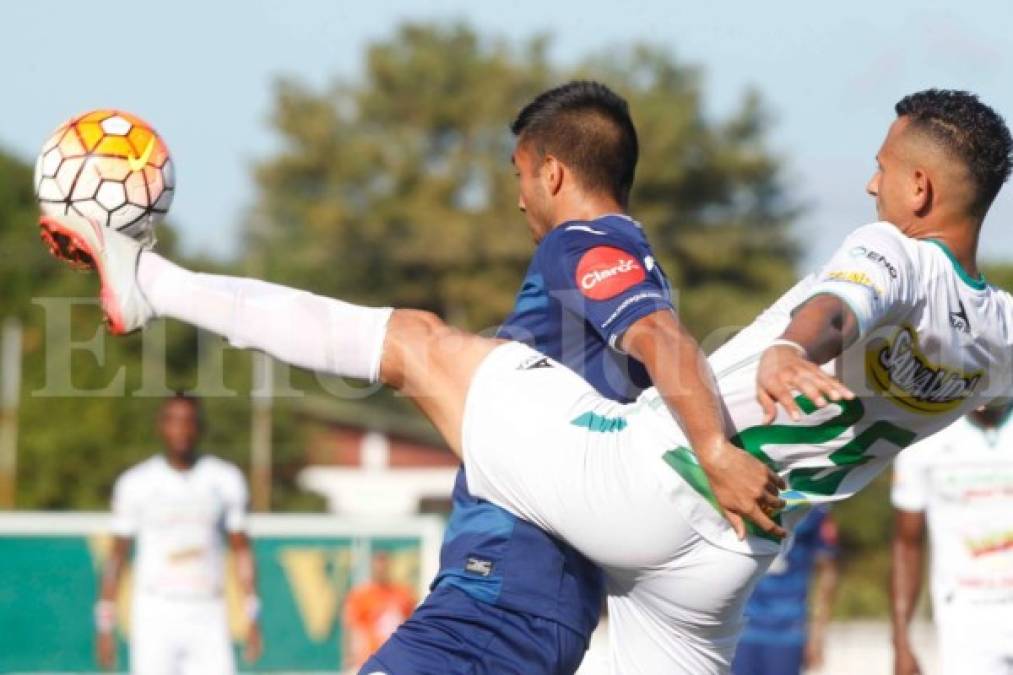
(306,565)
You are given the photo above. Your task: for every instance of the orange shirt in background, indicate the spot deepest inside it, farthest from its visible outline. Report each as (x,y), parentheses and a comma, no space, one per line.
(372,612)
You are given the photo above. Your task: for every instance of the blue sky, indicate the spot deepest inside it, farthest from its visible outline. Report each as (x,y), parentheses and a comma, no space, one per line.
(201,72)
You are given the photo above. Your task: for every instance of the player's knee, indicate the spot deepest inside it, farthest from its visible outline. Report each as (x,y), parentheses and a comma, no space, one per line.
(416,324)
(411,336)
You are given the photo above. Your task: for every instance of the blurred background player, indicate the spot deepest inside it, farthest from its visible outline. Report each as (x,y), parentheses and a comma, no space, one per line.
(374,610)
(960,484)
(182,508)
(785,626)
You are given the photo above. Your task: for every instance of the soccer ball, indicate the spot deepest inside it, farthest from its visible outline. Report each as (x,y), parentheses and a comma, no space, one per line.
(108,166)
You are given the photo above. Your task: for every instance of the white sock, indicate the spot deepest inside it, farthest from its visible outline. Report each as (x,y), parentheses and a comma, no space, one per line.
(300,328)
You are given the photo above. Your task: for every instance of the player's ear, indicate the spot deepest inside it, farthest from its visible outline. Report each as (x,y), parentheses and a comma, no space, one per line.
(552,174)
(920,192)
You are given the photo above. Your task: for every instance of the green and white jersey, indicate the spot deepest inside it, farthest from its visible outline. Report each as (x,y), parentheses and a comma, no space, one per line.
(962,479)
(934,344)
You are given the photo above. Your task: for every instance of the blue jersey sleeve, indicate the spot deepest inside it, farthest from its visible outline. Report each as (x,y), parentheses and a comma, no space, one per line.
(608,280)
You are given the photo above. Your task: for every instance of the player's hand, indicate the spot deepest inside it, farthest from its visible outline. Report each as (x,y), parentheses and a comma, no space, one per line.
(254,646)
(105,650)
(782,372)
(813,656)
(744,487)
(904,661)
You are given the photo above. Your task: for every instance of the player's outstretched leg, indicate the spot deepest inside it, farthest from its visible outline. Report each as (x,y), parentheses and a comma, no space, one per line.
(519,404)
(409,350)
(433,364)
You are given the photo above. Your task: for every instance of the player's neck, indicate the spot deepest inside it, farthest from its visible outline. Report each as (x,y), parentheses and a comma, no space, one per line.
(585,208)
(182,462)
(961,238)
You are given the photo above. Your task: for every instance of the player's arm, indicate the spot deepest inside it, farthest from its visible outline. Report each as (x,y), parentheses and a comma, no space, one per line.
(742,485)
(237,499)
(246,573)
(870,281)
(908,559)
(126,519)
(105,607)
(820,331)
(909,495)
(823,592)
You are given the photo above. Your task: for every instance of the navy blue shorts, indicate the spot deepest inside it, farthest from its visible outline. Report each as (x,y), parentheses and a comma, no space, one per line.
(757,658)
(451,633)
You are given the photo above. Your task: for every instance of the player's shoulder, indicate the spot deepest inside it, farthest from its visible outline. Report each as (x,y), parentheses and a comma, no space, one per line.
(140,473)
(145,467)
(213,463)
(220,469)
(880,230)
(1005,304)
(884,243)
(613,230)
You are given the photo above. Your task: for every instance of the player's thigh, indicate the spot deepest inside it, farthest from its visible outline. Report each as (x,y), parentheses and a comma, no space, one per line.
(748,659)
(541,443)
(759,658)
(452,633)
(433,365)
(208,643)
(684,616)
(153,640)
(975,641)
(152,655)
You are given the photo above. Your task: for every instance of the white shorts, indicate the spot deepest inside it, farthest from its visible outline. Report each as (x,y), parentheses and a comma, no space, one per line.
(975,640)
(179,637)
(541,443)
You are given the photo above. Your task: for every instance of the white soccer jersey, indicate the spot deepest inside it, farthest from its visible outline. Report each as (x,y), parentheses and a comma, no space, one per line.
(179,519)
(962,478)
(933,345)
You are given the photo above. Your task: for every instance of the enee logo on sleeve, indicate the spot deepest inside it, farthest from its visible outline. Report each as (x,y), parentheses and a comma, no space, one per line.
(604,272)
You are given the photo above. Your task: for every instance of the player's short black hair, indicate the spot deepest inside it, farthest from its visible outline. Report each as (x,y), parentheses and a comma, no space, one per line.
(588,127)
(189,399)
(969,130)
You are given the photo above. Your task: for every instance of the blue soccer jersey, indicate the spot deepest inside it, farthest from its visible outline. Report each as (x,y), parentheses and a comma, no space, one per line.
(777,610)
(587,283)
(510,599)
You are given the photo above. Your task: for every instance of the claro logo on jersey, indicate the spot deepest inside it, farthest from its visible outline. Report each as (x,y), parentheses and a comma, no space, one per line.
(604,272)
(900,371)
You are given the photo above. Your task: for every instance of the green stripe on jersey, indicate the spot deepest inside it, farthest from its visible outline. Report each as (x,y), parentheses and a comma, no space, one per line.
(600,423)
(686,465)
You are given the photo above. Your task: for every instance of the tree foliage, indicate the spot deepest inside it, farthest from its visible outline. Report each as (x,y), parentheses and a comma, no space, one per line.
(398,188)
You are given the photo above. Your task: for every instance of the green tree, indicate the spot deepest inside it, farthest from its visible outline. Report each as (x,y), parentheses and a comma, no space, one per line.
(397,187)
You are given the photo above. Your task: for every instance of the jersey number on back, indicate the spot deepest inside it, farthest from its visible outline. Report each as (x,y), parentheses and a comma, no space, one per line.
(804,482)
(823,481)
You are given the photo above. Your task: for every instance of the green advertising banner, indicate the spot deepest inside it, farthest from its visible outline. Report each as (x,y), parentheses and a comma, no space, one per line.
(49,565)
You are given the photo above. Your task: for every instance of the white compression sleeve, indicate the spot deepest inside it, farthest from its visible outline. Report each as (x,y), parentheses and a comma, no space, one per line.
(297,327)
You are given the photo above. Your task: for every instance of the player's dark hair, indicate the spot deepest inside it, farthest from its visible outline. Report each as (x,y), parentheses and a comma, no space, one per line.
(970,131)
(588,127)
(189,399)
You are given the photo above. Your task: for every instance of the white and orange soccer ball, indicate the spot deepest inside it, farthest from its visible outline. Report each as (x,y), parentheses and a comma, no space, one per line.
(110,167)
